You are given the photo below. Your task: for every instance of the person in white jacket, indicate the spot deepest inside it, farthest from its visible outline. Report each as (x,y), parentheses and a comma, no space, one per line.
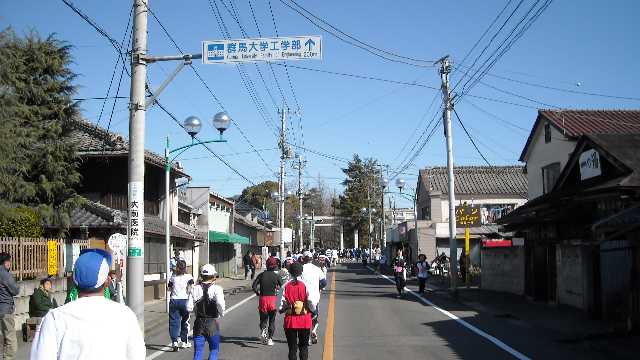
(80,329)
(209,306)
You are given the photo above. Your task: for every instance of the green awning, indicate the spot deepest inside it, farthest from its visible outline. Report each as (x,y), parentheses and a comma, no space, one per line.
(222,237)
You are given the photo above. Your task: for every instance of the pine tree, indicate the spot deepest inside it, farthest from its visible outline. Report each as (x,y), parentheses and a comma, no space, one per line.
(38,166)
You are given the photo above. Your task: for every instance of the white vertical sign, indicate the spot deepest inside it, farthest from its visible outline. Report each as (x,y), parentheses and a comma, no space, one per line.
(136,219)
(590,164)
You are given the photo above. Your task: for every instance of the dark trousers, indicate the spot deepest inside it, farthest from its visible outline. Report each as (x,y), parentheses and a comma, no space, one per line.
(298,341)
(422,283)
(270,318)
(400,283)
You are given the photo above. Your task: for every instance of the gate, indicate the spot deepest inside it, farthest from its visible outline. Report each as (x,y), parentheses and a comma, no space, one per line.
(616,267)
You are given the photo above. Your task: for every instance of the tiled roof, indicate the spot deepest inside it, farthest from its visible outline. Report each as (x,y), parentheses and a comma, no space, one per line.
(574,123)
(478,180)
(93,141)
(579,122)
(96,215)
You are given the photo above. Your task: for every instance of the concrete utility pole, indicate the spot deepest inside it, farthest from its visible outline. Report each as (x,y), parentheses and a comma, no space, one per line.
(445,69)
(299,166)
(283,158)
(369,211)
(383,231)
(135,253)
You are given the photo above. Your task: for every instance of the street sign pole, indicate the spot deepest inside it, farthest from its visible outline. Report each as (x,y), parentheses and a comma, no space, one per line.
(466,253)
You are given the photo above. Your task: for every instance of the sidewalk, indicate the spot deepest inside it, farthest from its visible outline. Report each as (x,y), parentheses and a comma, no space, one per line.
(564,324)
(154,311)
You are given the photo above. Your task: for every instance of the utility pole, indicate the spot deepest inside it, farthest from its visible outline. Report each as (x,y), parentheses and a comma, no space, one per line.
(135,244)
(299,166)
(283,158)
(383,231)
(445,69)
(312,241)
(369,210)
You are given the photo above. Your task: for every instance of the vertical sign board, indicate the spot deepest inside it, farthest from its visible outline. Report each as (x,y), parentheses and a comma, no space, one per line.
(262,49)
(52,257)
(590,164)
(136,219)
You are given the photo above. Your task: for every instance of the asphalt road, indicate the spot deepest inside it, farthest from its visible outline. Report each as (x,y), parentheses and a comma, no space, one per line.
(371,323)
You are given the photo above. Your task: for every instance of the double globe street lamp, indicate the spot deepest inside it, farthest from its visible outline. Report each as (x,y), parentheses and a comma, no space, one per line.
(400,184)
(192,125)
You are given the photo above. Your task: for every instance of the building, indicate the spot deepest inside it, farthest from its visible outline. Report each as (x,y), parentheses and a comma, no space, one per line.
(395,216)
(555,134)
(581,242)
(496,189)
(104,172)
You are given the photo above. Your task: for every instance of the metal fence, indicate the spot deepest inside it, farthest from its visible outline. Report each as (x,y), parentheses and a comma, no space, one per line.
(30,256)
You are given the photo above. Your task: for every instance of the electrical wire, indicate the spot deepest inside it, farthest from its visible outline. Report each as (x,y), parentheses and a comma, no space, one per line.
(491,166)
(340,35)
(119,50)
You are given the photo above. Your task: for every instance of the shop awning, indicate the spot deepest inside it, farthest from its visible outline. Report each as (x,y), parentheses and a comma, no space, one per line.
(496,243)
(222,237)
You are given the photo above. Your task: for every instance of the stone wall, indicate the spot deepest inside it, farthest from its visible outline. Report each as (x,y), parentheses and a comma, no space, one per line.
(503,269)
(26,290)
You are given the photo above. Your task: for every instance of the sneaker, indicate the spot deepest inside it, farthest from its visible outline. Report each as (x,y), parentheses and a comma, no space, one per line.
(270,342)
(264,336)
(175,345)
(185,345)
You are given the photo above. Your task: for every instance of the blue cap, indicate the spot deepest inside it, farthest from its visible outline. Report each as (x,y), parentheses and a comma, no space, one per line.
(91,268)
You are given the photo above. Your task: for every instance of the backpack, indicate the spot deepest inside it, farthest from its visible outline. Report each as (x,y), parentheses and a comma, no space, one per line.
(205,307)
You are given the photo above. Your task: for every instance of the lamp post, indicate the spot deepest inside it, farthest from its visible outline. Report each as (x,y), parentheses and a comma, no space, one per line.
(192,125)
(369,212)
(280,198)
(400,183)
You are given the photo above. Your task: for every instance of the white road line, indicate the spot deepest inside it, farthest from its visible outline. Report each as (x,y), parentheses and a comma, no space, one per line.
(493,339)
(168,346)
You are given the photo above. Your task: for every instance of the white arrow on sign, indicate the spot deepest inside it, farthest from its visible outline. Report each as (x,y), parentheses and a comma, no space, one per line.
(262,49)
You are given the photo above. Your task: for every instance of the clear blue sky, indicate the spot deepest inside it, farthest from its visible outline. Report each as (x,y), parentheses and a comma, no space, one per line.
(591,42)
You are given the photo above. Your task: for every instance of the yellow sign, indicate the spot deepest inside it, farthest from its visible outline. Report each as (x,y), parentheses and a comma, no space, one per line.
(52,258)
(468,216)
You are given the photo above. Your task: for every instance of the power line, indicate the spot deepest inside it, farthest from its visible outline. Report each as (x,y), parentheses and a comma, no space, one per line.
(494,116)
(119,50)
(206,85)
(340,35)
(415,131)
(482,154)
(100,98)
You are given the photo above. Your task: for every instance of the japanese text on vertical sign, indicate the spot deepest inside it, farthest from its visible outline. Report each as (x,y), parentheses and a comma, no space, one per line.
(136,219)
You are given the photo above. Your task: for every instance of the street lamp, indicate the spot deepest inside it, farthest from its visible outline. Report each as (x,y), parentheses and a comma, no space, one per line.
(400,183)
(192,125)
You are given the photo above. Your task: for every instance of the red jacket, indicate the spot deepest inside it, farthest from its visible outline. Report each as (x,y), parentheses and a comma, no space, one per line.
(296,291)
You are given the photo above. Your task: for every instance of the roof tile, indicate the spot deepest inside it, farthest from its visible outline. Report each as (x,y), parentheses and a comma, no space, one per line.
(478,180)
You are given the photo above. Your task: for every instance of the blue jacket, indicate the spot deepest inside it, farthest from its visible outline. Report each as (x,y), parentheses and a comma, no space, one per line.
(8,289)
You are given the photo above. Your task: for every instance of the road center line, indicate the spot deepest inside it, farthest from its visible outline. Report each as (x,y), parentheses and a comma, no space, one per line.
(499,343)
(327,351)
(227,311)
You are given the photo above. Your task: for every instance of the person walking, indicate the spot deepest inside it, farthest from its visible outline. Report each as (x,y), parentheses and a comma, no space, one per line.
(249,266)
(423,272)
(400,272)
(297,309)
(8,289)
(315,280)
(180,285)
(41,301)
(209,306)
(90,327)
(266,287)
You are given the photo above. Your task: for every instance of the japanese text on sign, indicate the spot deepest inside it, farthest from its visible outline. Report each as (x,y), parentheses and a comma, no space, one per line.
(52,257)
(262,49)
(136,219)
(468,216)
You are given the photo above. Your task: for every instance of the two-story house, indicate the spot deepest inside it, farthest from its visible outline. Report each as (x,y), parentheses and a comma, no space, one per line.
(104,168)
(496,189)
(580,247)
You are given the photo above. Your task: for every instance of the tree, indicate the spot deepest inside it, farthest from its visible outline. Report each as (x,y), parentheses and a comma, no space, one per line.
(38,166)
(362,191)
(259,196)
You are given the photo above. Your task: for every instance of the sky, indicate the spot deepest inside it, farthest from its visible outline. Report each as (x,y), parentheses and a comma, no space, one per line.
(586,45)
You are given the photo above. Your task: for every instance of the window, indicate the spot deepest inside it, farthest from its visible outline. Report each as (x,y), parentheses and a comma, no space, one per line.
(426,213)
(547,133)
(550,174)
